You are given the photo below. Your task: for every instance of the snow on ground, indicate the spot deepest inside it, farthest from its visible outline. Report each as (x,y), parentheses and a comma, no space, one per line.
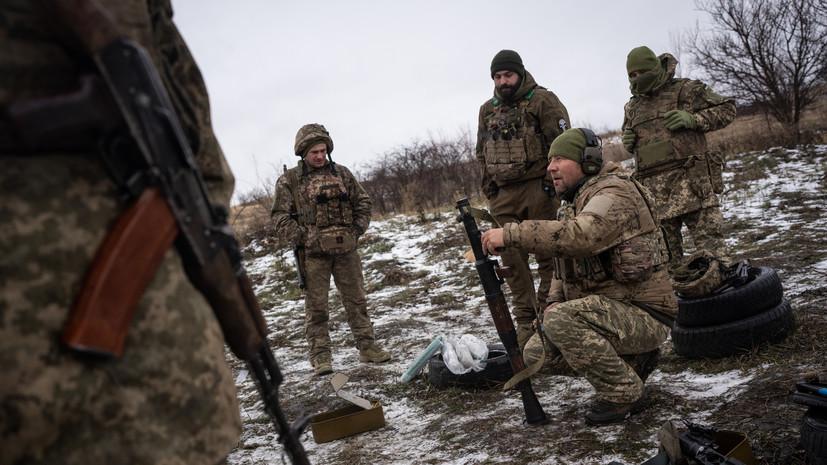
(427,427)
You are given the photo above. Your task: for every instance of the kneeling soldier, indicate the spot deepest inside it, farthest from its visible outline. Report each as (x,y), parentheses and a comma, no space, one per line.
(611,304)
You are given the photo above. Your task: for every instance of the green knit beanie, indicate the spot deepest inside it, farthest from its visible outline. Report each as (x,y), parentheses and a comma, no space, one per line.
(569,144)
(507,59)
(641,59)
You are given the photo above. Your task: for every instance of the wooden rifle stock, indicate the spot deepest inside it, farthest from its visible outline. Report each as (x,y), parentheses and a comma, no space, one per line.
(118,276)
(122,269)
(491,284)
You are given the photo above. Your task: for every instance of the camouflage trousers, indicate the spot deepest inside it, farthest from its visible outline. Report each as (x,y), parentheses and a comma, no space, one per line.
(587,336)
(346,270)
(513,204)
(169,398)
(685,195)
(706,226)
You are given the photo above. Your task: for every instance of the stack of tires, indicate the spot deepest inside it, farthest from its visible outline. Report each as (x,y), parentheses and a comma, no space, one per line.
(735,320)
(497,371)
(814,423)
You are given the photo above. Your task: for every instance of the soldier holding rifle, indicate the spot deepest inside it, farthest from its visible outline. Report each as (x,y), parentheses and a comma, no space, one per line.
(611,304)
(320,207)
(169,397)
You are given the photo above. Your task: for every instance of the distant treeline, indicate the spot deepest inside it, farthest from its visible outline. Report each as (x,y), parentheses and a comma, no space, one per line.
(422,175)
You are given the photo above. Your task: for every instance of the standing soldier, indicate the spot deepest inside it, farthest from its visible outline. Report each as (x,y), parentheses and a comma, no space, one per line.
(664,124)
(170,396)
(516,128)
(321,208)
(611,303)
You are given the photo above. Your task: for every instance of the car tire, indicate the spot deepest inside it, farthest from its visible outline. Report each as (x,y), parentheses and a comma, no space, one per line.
(762,292)
(497,371)
(814,435)
(727,339)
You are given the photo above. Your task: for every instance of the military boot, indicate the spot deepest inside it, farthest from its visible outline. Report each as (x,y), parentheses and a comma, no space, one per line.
(643,364)
(373,354)
(604,412)
(322,365)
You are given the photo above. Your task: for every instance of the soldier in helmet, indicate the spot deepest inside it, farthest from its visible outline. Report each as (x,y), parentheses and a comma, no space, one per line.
(611,303)
(516,128)
(321,207)
(170,396)
(664,125)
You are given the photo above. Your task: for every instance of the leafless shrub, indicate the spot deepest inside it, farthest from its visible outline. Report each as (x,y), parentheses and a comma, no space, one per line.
(422,175)
(250,218)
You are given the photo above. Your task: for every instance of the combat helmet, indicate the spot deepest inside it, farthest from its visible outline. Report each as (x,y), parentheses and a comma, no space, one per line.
(700,275)
(310,135)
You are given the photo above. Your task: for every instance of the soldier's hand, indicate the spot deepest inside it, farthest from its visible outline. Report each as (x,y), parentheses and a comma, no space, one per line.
(492,241)
(629,137)
(678,119)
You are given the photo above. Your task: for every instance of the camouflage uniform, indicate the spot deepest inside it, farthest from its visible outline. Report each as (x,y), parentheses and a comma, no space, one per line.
(676,166)
(513,139)
(170,398)
(611,283)
(334,211)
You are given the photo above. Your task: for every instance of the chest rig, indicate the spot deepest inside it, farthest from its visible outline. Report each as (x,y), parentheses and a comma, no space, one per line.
(328,202)
(632,260)
(328,209)
(513,139)
(659,148)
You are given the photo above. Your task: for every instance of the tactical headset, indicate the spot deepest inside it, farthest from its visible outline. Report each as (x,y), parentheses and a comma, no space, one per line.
(591,159)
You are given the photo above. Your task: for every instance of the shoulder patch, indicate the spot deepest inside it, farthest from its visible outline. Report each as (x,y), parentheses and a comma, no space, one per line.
(704,86)
(562,124)
(599,205)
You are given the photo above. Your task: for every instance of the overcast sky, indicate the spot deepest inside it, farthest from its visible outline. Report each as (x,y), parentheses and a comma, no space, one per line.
(380,74)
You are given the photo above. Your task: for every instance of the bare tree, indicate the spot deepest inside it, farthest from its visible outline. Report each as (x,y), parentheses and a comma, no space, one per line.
(768,53)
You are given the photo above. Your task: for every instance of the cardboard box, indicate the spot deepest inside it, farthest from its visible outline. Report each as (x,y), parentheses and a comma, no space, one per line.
(363,415)
(734,445)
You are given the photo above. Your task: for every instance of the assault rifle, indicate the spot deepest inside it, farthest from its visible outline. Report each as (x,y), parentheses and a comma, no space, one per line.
(697,443)
(490,276)
(170,203)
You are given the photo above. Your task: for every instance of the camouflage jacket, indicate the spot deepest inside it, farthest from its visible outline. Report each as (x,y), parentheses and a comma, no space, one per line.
(327,202)
(606,242)
(514,136)
(658,149)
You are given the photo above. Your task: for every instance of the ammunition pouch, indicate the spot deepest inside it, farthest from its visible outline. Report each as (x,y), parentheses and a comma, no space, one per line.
(512,143)
(329,204)
(635,260)
(578,269)
(631,261)
(654,155)
(337,240)
(715,167)
(505,160)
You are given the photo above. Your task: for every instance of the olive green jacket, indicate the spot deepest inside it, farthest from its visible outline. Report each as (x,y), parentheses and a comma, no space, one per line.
(545,113)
